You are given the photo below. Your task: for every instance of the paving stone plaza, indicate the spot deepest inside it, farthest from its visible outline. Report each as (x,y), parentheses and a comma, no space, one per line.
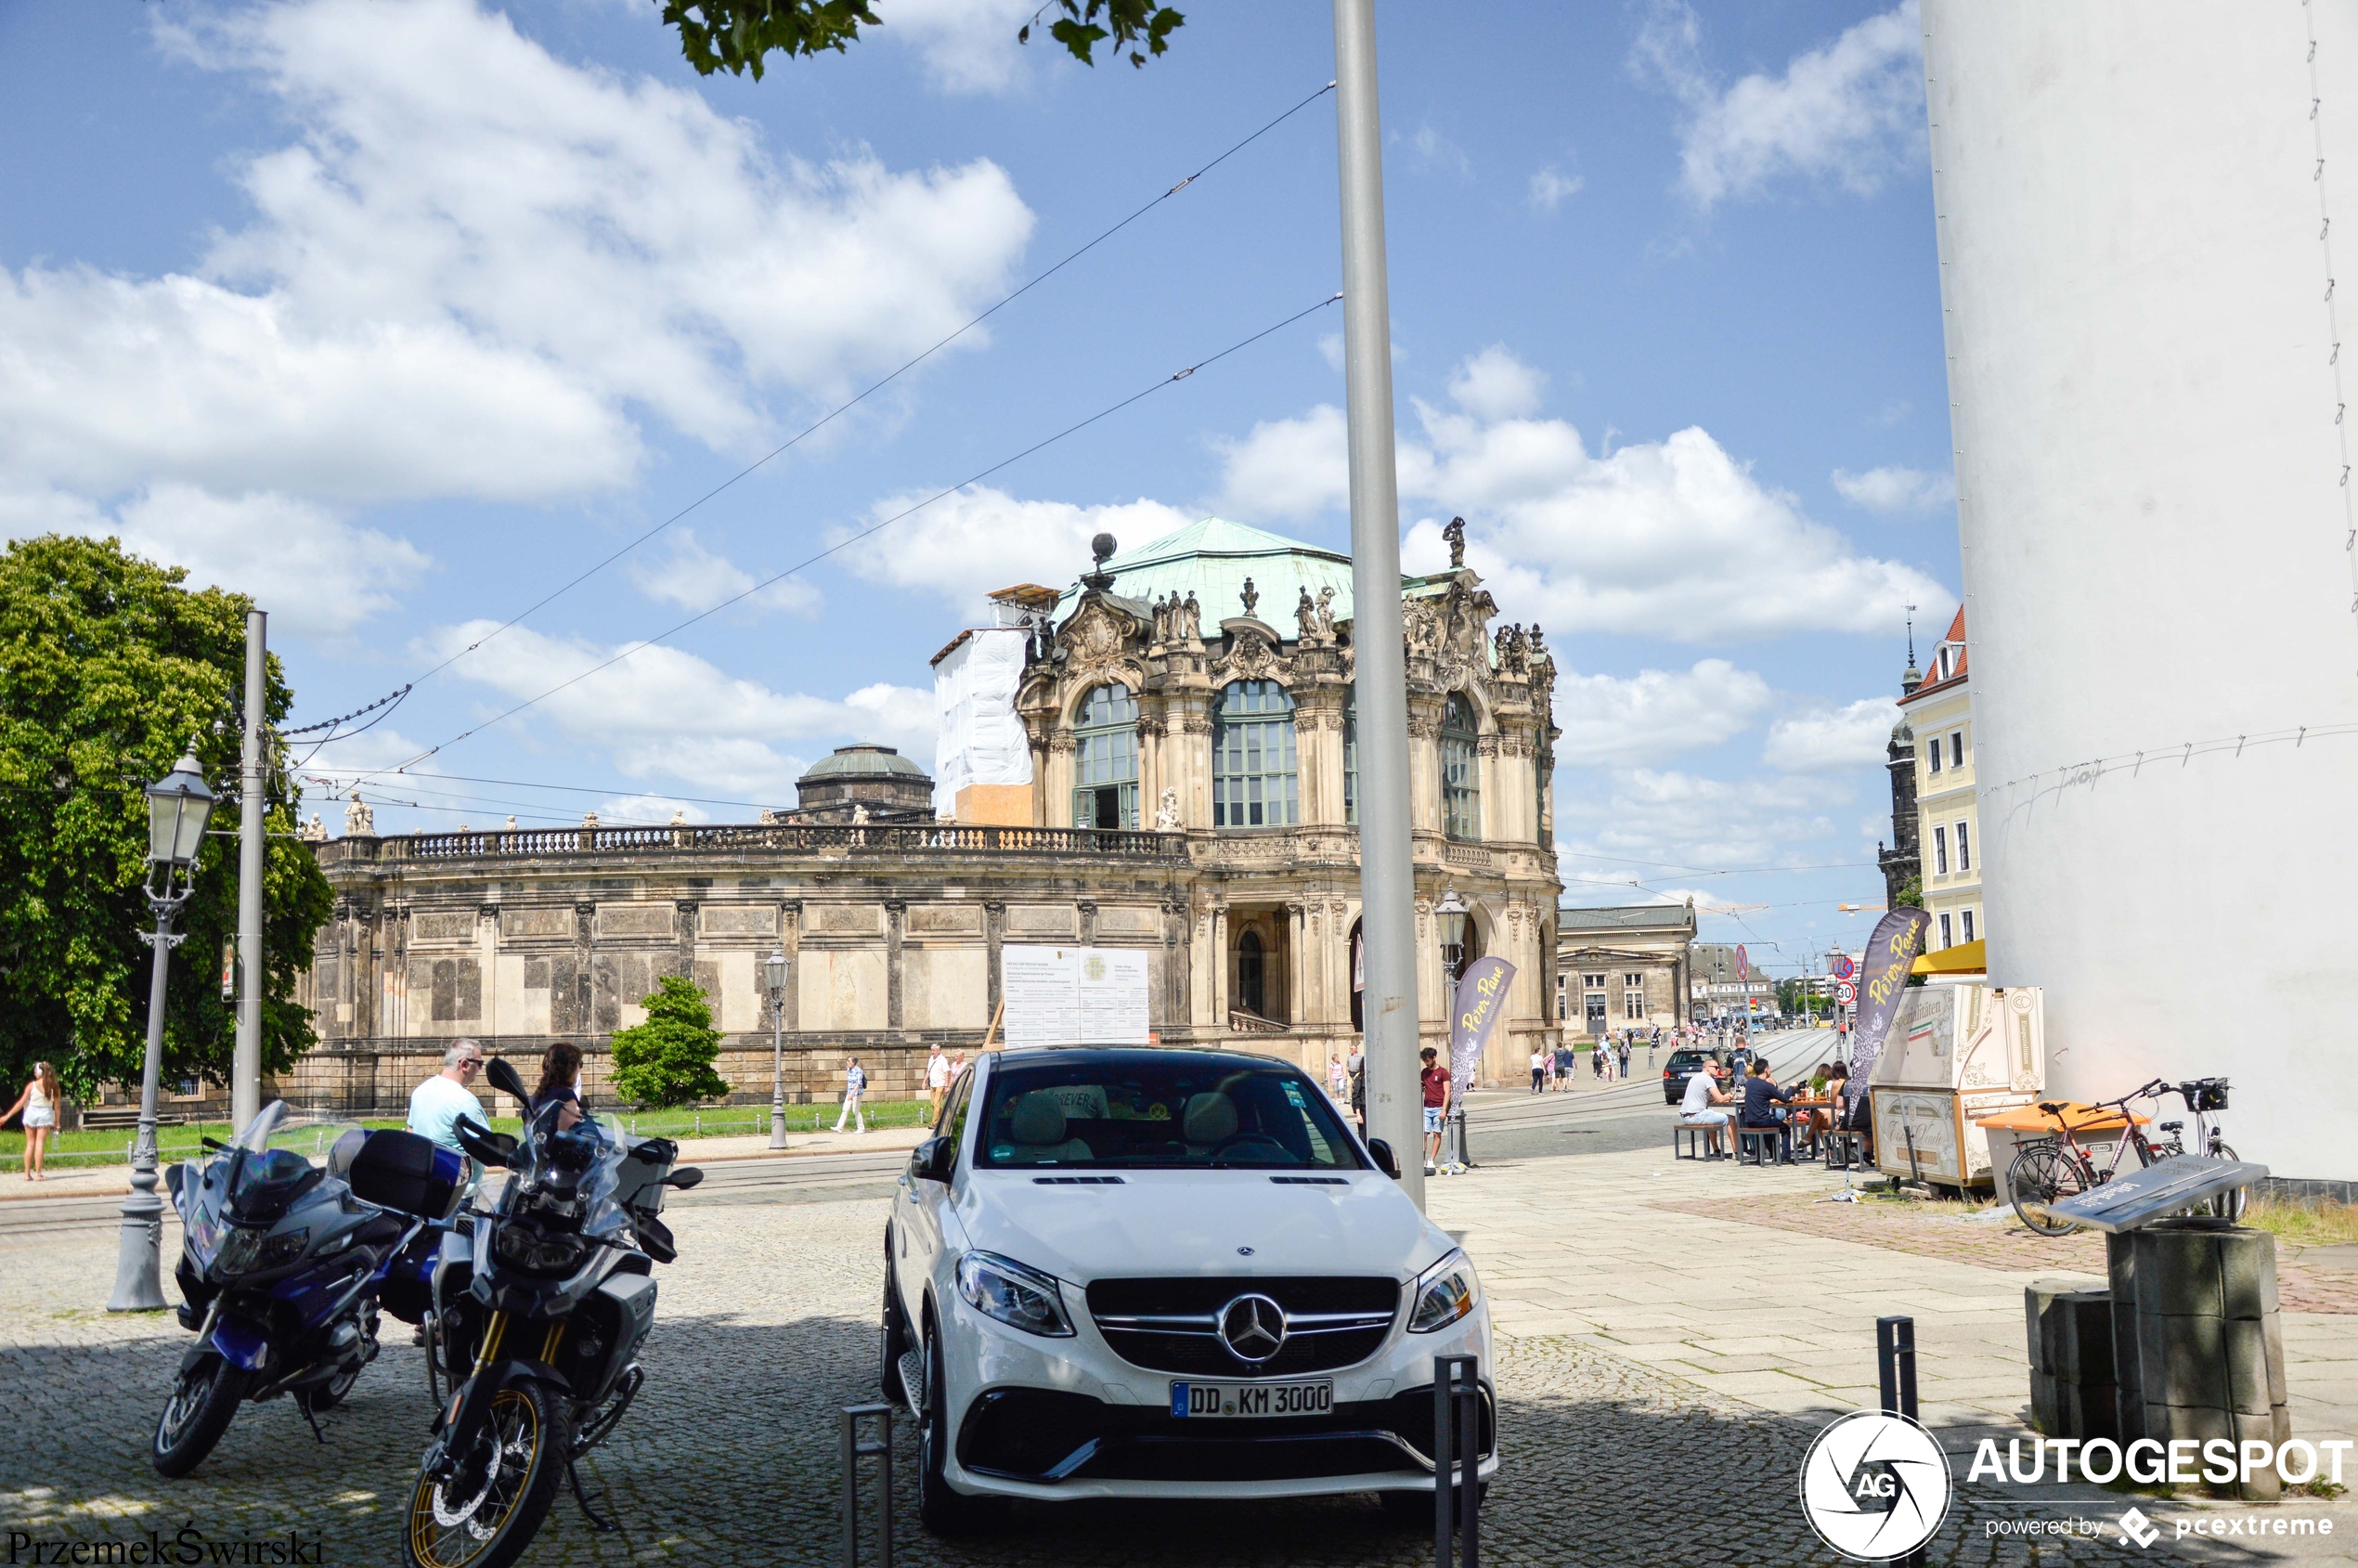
(1663,1370)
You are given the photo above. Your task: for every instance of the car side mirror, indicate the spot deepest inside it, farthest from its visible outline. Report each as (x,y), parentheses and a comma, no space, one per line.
(1381,1152)
(504,1078)
(933,1159)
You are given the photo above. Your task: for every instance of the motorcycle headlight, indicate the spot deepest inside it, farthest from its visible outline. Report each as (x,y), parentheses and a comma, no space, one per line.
(1443,1293)
(531,1252)
(285,1247)
(240,1247)
(1019,1297)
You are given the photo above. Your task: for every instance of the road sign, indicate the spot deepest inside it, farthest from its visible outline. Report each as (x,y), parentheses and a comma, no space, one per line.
(1845,994)
(1843,967)
(1743,963)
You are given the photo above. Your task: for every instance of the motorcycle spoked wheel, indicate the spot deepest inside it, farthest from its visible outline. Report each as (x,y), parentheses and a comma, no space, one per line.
(203,1399)
(505,1495)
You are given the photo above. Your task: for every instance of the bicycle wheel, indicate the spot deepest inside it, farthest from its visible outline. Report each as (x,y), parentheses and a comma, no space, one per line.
(2042,1176)
(2231,1204)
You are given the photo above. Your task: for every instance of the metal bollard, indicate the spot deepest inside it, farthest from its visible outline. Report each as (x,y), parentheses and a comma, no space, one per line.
(1896,1372)
(854,1450)
(1457,1455)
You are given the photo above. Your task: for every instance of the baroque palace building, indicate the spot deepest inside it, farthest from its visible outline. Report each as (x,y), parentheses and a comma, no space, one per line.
(1192,791)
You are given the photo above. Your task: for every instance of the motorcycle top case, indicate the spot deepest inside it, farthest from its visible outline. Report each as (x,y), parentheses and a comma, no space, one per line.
(404,1172)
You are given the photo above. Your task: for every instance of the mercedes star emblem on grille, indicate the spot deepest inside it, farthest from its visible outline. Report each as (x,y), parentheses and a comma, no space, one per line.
(1253,1328)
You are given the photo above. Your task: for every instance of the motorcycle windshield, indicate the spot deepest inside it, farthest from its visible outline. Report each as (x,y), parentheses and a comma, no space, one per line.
(256,1136)
(582,1162)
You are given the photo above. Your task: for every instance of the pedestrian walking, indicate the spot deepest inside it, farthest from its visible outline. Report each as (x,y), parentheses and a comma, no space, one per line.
(1337,1077)
(1625,1058)
(937,1082)
(1435,1081)
(39,1102)
(1538,1069)
(1357,1067)
(855,1084)
(1563,1066)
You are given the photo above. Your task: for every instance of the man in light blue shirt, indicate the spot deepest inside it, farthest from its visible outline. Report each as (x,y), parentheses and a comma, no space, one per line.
(436,1105)
(855,1085)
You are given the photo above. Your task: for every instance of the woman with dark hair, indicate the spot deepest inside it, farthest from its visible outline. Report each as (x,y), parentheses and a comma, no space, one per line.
(40,1103)
(559,1083)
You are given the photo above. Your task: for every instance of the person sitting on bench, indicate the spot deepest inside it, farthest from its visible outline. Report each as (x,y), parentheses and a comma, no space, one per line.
(1763,1107)
(1703,1094)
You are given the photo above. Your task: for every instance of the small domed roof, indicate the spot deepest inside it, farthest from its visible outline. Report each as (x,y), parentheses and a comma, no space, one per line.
(1903,733)
(863,761)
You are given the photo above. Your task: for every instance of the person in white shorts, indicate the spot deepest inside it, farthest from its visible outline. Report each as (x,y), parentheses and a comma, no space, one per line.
(937,1080)
(855,1084)
(1703,1094)
(39,1102)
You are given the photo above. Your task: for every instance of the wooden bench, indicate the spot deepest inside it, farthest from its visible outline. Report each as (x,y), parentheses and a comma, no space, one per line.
(1844,1149)
(1693,1133)
(1759,1145)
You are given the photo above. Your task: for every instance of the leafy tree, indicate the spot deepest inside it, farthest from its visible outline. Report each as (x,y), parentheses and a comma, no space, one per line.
(668,1060)
(1910,894)
(733,35)
(108,668)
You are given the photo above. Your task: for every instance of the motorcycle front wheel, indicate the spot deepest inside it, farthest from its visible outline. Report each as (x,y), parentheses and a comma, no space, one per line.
(487,1510)
(203,1399)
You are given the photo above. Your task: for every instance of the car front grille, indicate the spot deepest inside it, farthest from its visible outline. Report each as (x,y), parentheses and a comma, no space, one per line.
(1173,1325)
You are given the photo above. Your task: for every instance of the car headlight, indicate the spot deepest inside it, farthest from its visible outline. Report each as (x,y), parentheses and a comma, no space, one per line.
(1019,1297)
(1443,1293)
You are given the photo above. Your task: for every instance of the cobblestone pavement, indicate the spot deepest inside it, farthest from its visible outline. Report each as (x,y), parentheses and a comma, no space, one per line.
(765,1329)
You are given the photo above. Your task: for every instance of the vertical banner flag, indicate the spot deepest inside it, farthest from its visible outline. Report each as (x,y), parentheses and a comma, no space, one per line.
(1480,999)
(1883,976)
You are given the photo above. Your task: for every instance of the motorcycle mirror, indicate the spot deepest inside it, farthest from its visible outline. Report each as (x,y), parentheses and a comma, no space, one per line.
(214,1144)
(491,1148)
(683,1178)
(1381,1152)
(504,1078)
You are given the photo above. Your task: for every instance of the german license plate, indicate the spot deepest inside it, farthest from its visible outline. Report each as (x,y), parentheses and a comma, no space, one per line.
(1247,1401)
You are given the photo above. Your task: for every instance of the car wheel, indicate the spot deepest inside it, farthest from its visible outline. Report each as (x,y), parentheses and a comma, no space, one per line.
(941,1510)
(894,1336)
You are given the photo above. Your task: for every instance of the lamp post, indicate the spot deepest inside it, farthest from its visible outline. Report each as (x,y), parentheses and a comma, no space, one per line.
(1453,911)
(774,969)
(178,807)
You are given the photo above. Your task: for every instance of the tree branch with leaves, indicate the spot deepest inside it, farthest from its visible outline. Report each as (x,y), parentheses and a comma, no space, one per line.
(736,35)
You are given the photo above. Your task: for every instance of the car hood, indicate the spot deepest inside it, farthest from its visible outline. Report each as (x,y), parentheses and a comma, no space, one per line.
(1178,1223)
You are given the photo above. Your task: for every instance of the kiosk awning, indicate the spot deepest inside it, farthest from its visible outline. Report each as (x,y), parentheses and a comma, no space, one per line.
(1965,958)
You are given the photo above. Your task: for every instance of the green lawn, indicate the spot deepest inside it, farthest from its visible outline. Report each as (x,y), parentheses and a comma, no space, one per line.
(112,1147)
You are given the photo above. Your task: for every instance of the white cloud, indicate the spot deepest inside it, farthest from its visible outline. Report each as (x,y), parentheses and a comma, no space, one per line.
(977,539)
(317,575)
(1824,739)
(653,810)
(1893,490)
(969,45)
(1493,384)
(1653,715)
(1287,467)
(1684,819)
(664,712)
(1850,113)
(1671,538)
(694,578)
(1434,151)
(473,270)
(1551,188)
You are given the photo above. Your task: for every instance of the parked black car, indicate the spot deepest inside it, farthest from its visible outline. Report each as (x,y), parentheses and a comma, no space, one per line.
(1683,1064)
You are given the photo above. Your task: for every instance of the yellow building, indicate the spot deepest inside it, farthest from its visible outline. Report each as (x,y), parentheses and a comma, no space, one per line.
(1949,839)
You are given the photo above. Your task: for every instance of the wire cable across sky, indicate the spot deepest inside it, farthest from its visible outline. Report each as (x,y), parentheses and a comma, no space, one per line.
(849,539)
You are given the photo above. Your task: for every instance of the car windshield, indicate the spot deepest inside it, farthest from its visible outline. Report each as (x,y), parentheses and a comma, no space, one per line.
(1159,1111)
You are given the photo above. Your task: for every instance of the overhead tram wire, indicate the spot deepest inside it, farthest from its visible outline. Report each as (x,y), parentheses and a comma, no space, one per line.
(850,539)
(874,388)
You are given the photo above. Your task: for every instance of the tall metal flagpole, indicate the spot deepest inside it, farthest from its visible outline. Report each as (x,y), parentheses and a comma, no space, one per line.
(1387,877)
(245,1071)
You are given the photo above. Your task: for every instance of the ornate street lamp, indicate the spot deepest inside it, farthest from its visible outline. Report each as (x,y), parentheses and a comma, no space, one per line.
(178,808)
(774,969)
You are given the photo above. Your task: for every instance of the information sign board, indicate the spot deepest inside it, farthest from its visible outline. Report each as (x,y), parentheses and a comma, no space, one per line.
(2172,1186)
(1074,996)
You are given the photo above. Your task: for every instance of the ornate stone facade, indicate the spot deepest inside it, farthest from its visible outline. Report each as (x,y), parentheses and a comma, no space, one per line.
(894,930)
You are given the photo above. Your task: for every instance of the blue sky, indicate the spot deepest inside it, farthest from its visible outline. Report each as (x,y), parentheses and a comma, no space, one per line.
(399,314)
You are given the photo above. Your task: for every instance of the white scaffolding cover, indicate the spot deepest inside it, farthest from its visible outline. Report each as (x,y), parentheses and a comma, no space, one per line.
(981,742)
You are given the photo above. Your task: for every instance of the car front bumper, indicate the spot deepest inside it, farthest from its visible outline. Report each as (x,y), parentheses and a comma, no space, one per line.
(1063,1419)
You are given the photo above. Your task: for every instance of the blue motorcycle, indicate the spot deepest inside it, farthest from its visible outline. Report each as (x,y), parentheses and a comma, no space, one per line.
(282,1266)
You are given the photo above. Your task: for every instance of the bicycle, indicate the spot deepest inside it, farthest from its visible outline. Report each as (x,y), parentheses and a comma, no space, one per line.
(2049,1170)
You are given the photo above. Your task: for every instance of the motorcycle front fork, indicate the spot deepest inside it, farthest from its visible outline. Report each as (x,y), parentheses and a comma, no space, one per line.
(458,1423)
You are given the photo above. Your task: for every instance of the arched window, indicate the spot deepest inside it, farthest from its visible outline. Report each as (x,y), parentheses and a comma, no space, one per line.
(1104,760)
(1351,755)
(1253,782)
(1460,770)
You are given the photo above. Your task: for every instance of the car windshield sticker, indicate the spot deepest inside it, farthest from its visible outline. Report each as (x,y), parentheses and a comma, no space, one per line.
(1003,1151)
